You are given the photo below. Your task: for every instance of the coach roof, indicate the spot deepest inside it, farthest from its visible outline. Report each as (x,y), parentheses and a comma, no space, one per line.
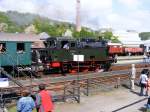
(19,37)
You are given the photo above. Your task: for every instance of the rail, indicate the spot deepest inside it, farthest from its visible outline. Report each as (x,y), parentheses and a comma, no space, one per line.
(69,77)
(121,58)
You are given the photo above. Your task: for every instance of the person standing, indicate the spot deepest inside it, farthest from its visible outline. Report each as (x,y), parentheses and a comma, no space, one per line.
(25,103)
(44,100)
(66,46)
(148,105)
(148,86)
(143,81)
(132,77)
(145,58)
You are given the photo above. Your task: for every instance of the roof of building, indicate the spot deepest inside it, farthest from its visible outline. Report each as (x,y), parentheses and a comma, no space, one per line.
(128,37)
(115,44)
(19,37)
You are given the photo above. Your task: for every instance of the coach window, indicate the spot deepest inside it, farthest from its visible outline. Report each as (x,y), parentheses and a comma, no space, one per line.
(20,47)
(2,47)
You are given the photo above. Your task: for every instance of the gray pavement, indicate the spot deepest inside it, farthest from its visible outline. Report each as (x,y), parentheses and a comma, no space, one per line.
(117,100)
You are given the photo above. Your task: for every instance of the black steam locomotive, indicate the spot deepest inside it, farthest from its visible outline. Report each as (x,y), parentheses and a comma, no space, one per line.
(70,55)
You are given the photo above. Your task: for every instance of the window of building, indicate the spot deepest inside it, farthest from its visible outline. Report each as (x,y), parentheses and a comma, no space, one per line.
(2,47)
(20,47)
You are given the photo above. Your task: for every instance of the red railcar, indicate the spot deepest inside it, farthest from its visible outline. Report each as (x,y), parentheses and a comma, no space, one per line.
(133,50)
(119,49)
(115,48)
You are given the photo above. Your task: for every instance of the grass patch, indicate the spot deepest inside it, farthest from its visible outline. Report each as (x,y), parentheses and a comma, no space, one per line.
(13,109)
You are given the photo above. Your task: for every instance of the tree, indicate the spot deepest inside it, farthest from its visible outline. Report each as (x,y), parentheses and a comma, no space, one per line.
(7,25)
(115,39)
(84,33)
(51,29)
(107,35)
(144,35)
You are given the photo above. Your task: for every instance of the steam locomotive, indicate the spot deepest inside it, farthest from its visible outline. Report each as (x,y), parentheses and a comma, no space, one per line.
(60,53)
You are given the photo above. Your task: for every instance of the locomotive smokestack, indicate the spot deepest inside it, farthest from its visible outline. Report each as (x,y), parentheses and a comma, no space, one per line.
(78,26)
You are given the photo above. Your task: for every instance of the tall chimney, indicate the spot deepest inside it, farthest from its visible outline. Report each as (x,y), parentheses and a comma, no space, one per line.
(78,25)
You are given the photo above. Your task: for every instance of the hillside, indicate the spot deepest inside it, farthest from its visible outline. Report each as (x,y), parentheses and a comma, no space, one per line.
(20,21)
(13,21)
(23,19)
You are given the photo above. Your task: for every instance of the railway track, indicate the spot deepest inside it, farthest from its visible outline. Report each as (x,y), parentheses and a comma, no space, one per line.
(112,68)
(73,85)
(62,80)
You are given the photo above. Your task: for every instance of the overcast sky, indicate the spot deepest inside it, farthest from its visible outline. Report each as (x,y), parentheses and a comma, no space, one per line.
(117,14)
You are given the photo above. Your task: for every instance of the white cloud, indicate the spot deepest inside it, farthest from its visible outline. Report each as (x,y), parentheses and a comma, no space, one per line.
(94,13)
(123,22)
(18,5)
(130,3)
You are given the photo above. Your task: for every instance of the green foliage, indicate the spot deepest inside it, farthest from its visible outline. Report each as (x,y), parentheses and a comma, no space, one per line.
(107,35)
(12,27)
(17,22)
(83,33)
(145,35)
(51,29)
(115,39)
(4,18)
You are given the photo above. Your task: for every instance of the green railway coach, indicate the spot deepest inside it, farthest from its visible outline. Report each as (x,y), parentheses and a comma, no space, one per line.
(15,49)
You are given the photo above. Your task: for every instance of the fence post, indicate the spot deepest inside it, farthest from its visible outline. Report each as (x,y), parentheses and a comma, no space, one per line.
(118,82)
(87,88)
(64,96)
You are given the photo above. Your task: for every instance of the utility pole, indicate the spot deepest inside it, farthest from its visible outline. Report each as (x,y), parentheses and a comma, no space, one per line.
(78,25)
